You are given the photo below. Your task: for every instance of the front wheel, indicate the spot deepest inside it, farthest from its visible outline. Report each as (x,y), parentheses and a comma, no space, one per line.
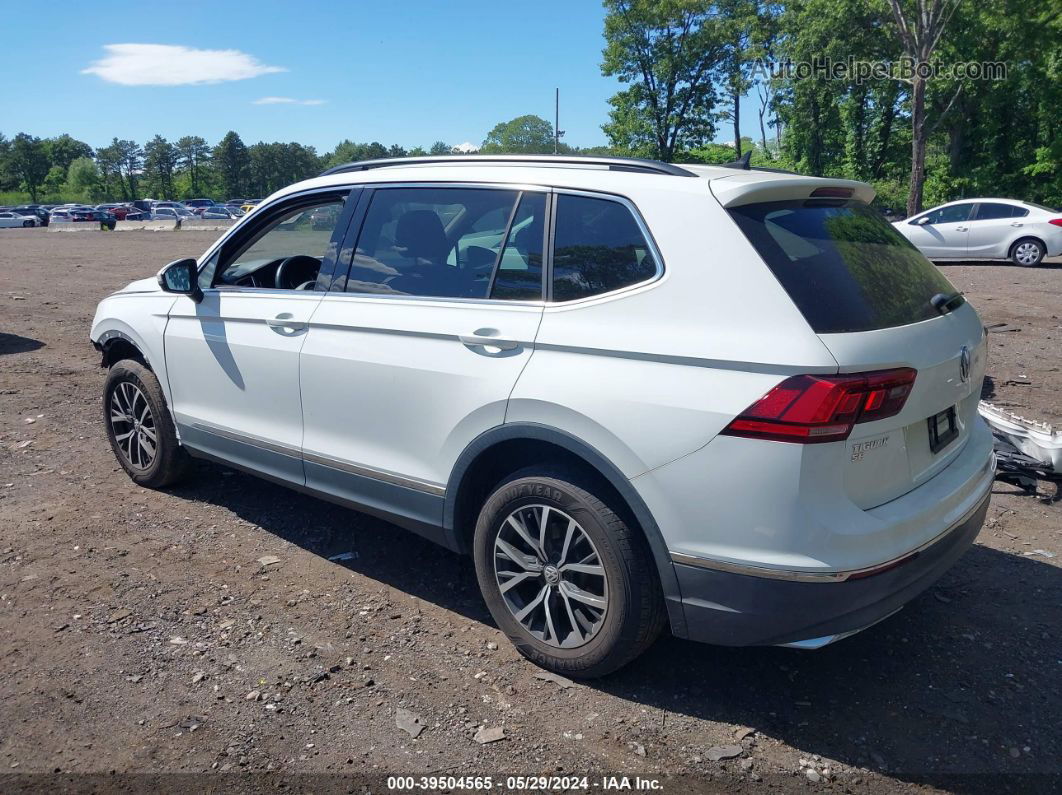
(570,583)
(139,426)
(27,224)
(1028,252)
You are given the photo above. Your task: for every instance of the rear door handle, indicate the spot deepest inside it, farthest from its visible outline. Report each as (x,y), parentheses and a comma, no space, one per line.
(487,337)
(1016,223)
(284,322)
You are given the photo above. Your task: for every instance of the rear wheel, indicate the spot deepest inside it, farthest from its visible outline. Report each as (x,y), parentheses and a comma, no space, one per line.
(571,584)
(139,426)
(1028,252)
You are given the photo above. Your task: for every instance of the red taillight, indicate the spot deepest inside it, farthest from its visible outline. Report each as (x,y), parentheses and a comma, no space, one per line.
(810,408)
(1055,221)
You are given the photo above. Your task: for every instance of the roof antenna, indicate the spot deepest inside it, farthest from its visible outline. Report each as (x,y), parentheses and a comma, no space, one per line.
(742,162)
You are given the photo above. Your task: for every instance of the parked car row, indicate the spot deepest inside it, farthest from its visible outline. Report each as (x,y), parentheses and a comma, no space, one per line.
(30,215)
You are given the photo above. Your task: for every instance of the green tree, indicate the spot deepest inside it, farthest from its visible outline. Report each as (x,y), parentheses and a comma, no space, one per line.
(919,27)
(54,182)
(83,181)
(64,150)
(193,156)
(232,163)
(440,148)
(28,161)
(523,135)
(160,161)
(670,52)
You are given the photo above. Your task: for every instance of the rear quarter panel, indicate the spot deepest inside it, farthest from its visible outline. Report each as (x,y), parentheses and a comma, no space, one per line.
(654,372)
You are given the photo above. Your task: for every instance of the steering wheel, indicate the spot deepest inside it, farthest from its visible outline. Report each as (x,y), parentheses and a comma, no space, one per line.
(292,272)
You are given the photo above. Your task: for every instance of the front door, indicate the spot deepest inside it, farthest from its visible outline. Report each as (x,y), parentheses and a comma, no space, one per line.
(233,358)
(416,351)
(943,235)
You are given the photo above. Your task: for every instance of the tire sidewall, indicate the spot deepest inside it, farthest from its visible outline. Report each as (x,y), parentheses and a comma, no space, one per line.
(121,373)
(543,490)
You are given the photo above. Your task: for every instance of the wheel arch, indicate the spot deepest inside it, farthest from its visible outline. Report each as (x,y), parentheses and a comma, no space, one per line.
(115,345)
(1021,238)
(513,446)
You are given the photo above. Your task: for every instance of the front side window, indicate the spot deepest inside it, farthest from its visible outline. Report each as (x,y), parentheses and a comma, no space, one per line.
(949,215)
(598,247)
(434,242)
(286,253)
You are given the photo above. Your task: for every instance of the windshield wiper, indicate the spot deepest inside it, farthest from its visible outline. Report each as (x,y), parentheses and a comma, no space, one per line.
(945,303)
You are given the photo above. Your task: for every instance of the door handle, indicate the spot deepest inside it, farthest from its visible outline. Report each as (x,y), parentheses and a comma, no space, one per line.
(284,322)
(487,337)
(962,229)
(1016,223)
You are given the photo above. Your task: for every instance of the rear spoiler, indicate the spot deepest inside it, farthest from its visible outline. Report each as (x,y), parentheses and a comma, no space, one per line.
(754,187)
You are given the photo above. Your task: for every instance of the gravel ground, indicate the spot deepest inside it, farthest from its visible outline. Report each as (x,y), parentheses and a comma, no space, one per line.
(140,631)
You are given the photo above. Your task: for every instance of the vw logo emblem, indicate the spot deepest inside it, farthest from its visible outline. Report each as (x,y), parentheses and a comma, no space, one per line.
(964,364)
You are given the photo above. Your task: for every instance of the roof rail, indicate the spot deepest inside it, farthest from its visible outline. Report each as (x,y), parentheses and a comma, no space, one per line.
(611,163)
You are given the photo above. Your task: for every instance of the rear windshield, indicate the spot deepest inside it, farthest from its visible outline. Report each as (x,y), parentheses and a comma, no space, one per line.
(842,263)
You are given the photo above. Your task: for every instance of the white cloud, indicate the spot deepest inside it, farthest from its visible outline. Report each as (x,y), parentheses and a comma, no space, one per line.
(172,65)
(287,101)
(466,148)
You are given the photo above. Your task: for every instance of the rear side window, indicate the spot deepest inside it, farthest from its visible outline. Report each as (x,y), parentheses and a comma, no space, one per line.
(844,266)
(598,247)
(990,211)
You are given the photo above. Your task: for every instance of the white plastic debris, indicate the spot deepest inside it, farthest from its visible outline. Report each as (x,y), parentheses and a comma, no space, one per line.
(1036,439)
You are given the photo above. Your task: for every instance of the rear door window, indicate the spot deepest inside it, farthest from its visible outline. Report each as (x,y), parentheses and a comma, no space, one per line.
(598,247)
(991,211)
(434,242)
(845,267)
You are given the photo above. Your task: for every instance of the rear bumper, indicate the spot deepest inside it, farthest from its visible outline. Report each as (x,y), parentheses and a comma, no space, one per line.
(731,609)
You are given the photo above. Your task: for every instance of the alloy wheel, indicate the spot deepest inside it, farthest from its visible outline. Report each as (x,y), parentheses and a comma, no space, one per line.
(133,426)
(550,576)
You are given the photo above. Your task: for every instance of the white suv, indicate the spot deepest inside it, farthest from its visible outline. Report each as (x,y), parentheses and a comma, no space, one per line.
(734,402)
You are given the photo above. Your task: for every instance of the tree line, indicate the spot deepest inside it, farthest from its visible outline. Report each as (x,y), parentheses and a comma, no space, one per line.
(920,136)
(64,168)
(684,65)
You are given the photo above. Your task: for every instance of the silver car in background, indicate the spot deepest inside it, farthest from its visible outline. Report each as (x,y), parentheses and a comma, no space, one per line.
(999,229)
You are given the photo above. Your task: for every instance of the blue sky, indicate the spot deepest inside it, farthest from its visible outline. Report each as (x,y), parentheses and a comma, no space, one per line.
(409,72)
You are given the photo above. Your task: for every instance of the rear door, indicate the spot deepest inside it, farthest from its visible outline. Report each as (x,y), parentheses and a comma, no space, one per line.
(415,351)
(943,235)
(992,226)
(867,294)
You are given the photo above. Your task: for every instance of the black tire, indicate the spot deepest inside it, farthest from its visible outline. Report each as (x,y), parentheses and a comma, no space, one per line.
(1019,252)
(170,461)
(27,224)
(635,613)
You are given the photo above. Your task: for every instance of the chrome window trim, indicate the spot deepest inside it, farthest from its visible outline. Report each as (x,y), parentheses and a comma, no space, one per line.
(642,226)
(658,276)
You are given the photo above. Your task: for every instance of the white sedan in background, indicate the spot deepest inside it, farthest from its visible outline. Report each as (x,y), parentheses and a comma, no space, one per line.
(10,219)
(1021,232)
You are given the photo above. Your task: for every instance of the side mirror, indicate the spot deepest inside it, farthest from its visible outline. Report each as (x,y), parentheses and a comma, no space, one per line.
(921,221)
(182,277)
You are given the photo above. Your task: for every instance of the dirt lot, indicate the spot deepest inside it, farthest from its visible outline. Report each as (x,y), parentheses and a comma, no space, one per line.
(136,625)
